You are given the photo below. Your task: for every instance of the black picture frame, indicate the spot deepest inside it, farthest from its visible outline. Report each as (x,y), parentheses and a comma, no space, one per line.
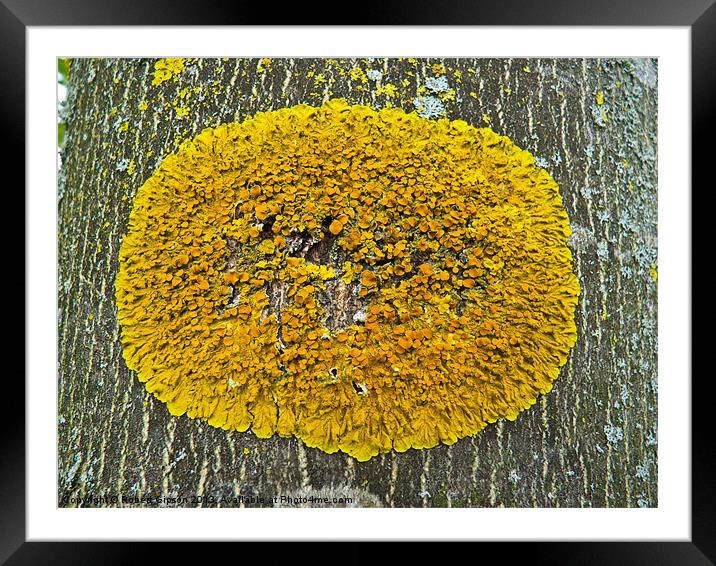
(699,15)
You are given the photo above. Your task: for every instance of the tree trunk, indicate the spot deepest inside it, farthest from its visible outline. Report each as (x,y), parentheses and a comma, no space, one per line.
(590,442)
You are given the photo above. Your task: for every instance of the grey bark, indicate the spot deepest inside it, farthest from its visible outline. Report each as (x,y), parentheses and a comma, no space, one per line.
(590,442)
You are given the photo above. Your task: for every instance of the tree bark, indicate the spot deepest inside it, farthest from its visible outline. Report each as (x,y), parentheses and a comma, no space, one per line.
(590,442)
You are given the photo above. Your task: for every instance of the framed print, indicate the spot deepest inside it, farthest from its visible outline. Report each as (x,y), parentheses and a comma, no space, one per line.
(362,283)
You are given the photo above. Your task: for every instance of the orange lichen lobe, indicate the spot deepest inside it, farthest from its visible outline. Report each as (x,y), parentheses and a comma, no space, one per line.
(336,227)
(449,235)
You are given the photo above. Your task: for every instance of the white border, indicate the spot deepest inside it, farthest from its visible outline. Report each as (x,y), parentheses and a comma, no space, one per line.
(670,521)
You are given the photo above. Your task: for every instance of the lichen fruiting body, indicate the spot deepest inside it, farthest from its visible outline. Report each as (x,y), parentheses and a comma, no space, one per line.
(445,244)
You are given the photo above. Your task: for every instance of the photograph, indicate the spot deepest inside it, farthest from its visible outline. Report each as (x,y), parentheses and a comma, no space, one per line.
(365,282)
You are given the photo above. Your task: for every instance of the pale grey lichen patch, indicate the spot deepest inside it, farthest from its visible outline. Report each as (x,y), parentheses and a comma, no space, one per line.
(72,471)
(588,192)
(626,222)
(181,455)
(374,74)
(580,238)
(603,214)
(515,476)
(87,477)
(643,470)
(632,155)
(614,434)
(437,84)
(429,106)
(645,256)
(541,162)
(603,250)
(648,324)
(643,502)
(122,164)
(646,70)
(191,71)
(599,114)
(654,384)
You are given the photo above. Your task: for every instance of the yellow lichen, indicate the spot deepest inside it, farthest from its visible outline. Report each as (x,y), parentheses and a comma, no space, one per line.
(165,69)
(335,227)
(388,90)
(449,236)
(264,65)
(358,74)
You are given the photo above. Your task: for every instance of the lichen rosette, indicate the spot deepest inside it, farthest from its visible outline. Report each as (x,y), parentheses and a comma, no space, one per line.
(364,280)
